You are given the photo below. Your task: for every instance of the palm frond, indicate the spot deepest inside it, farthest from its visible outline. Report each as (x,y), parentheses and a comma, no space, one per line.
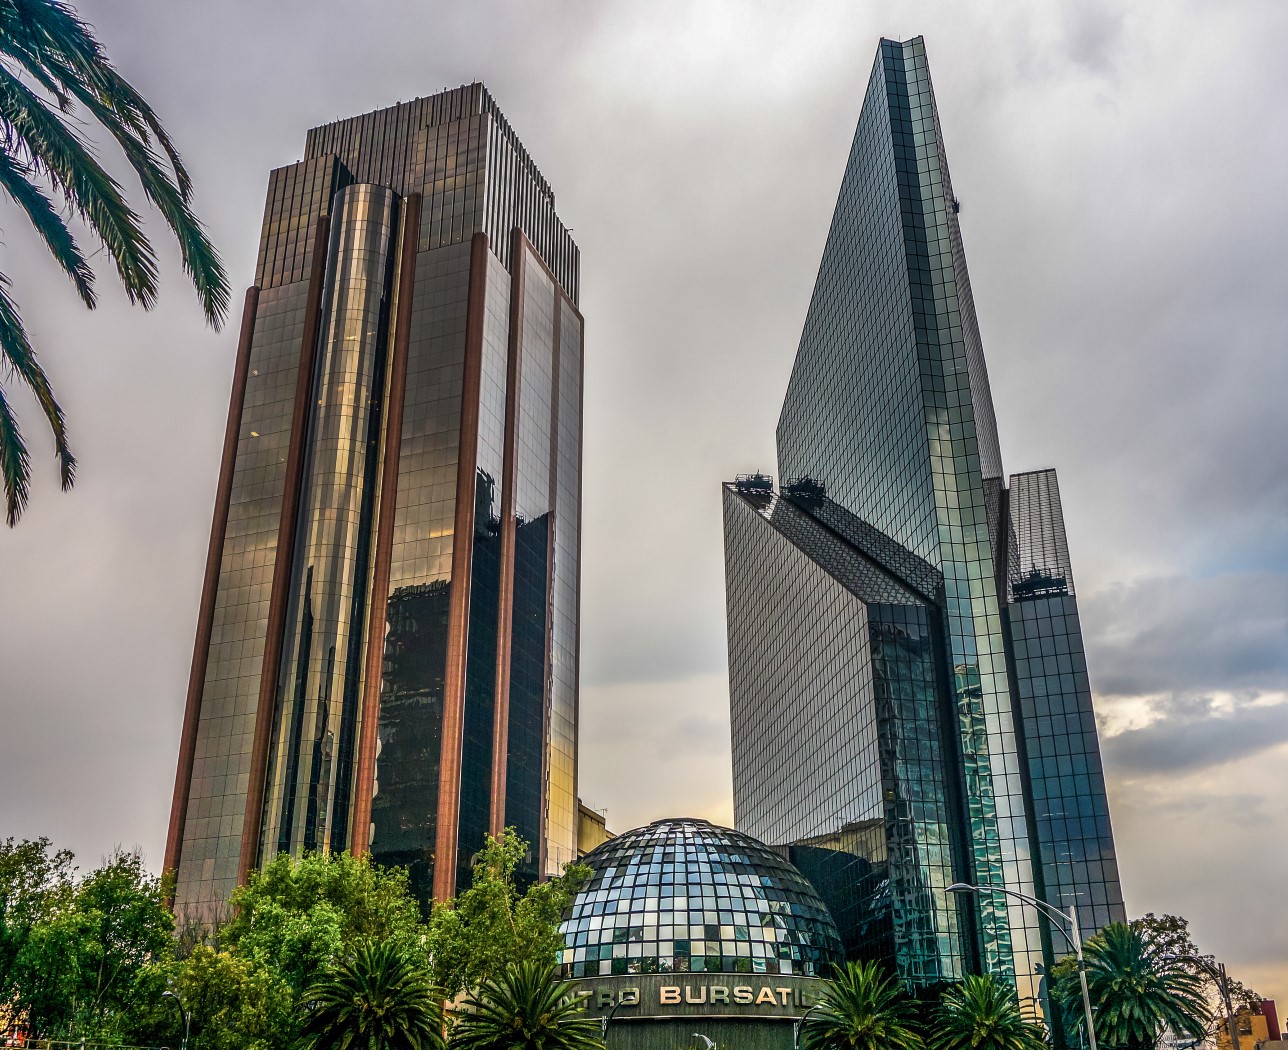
(380,999)
(20,361)
(86,75)
(55,150)
(527,1007)
(862,1009)
(15,180)
(143,120)
(40,34)
(200,260)
(983,1013)
(1137,993)
(14,462)
(45,43)
(63,34)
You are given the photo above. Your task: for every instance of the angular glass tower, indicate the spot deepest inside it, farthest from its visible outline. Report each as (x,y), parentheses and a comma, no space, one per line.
(387,644)
(909,696)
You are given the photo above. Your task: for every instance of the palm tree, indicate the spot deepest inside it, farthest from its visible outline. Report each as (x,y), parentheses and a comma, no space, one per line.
(1137,992)
(983,1013)
(53,73)
(526,1008)
(380,999)
(862,1009)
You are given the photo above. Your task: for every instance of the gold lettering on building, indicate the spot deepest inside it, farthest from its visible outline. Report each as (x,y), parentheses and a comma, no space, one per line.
(694,1000)
(719,994)
(743,994)
(766,996)
(668,994)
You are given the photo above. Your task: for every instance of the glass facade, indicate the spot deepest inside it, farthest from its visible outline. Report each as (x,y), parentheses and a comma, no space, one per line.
(398,581)
(204,849)
(840,731)
(685,896)
(1075,843)
(888,447)
(315,718)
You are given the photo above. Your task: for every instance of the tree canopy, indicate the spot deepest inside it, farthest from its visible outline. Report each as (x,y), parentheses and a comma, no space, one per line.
(1137,991)
(93,955)
(476,935)
(863,1008)
(75,949)
(300,916)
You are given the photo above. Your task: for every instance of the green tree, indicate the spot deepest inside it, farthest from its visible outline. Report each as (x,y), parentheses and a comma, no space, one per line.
(1137,991)
(77,970)
(234,1003)
(1170,934)
(53,75)
(476,935)
(983,1013)
(35,881)
(525,1007)
(862,1009)
(381,998)
(299,917)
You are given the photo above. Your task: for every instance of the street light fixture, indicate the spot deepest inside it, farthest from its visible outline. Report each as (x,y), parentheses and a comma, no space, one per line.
(1074,936)
(1217,971)
(187,1017)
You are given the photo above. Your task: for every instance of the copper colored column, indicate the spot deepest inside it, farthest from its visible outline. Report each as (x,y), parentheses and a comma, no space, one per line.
(581,435)
(555,365)
(284,555)
(458,623)
(210,588)
(364,780)
(505,587)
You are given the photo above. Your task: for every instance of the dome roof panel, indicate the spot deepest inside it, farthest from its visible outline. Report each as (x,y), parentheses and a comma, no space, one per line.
(685,895)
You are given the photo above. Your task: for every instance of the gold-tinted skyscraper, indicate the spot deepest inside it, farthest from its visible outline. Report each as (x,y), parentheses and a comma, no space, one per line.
(386,652)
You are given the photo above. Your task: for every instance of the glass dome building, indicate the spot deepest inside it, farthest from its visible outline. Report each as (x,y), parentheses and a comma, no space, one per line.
(686,896)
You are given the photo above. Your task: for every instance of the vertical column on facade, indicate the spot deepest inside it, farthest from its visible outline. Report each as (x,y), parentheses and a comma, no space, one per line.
(531,515)
(209,588)
(505,605)
(560,836)
(547,677)
(961,437)
(284,555)
(364,778)
(311,760)
(449,789)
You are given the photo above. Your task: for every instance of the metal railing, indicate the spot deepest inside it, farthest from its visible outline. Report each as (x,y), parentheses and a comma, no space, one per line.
(30,1043)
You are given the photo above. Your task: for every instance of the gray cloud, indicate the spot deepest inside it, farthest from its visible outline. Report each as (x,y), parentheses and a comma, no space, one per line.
(1191,734)
(1189,635)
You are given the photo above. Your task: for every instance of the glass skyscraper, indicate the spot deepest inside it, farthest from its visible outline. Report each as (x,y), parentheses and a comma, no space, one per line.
(909,695)
(387,643)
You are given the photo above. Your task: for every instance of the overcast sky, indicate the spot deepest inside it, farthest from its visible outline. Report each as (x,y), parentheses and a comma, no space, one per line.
(1121,170)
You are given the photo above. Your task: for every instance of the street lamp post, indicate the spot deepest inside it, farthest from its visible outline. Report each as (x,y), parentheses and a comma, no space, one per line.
(799,1026)
(603,1021)
(1217,972)
(1074,936)
(187,1017)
